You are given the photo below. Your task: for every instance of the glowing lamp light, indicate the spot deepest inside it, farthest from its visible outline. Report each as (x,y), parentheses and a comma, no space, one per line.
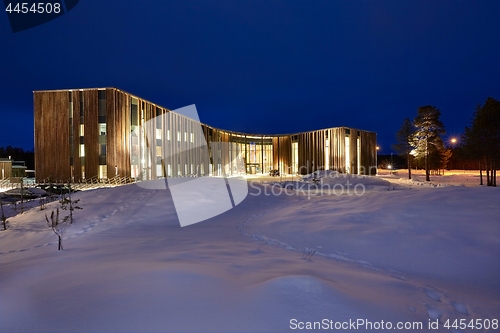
(389,166)
(453,140)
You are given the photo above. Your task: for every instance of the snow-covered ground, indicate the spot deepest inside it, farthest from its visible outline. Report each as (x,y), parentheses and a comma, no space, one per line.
(398,252)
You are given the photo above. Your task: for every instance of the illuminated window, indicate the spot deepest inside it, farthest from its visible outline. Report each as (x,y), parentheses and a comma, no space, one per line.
(102,129)
(347,155)
(70,104)
(103,171)
(82,150)
(327,154)
(295,157)
(358,157)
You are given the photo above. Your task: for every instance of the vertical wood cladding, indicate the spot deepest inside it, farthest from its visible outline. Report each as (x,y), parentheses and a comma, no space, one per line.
(174,145)
(282,153)
(313,152)
(52,135)
(6,169)
(118,132)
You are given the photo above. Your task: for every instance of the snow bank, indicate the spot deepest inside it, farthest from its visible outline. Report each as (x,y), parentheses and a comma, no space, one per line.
(407,255)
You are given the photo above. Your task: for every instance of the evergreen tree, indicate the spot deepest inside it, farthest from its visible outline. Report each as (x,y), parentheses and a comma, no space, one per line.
(406,142)
(427,135)
(482,139)
(439,156)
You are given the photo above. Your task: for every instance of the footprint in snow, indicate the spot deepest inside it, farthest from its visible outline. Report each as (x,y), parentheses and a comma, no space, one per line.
(460,308)
(434,313)
(432,294)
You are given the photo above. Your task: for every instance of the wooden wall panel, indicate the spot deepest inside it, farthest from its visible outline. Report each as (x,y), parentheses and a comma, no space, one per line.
(302,158)
(113,134)
(125,117)
(276,152)
(39,148)
(52,135)
(5,169)
(353,151)
(118,133)
(368,152)
(286,152)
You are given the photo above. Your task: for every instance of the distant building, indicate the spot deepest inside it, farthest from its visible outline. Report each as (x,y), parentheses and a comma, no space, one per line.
(6,167)
(104,132)
(11,169)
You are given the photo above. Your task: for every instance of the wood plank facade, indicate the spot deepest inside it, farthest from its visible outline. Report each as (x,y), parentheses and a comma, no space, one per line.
(106,132)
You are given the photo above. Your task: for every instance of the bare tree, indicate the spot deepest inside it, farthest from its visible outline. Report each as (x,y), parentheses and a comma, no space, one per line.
(68,204)
(57,226)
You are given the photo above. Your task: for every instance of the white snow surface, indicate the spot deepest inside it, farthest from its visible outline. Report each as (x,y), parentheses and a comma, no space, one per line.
(400,252)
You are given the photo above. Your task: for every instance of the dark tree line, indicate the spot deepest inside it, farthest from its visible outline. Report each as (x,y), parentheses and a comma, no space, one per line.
(481,140)
(19,154)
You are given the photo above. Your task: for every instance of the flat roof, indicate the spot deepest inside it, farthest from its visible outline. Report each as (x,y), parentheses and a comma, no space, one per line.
(257,136)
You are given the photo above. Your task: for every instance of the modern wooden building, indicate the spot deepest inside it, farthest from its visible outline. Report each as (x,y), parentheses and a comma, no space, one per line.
(106,132)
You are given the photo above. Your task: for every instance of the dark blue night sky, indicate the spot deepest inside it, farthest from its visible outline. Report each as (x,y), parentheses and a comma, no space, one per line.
(263,66)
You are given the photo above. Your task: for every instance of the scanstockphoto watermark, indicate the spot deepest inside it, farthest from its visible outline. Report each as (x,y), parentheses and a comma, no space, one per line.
(368,325)
(357,324)
(321,182)
(320,188)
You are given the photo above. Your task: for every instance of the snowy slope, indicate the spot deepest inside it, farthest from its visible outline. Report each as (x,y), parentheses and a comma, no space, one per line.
(411,254)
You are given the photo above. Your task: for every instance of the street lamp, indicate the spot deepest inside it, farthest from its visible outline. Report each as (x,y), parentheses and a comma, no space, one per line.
(453,141)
